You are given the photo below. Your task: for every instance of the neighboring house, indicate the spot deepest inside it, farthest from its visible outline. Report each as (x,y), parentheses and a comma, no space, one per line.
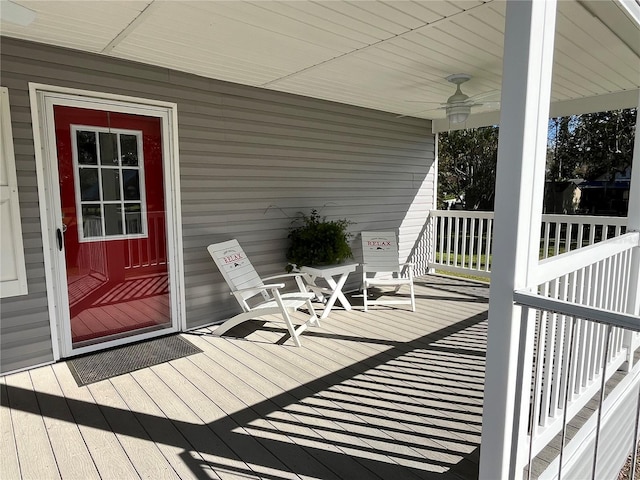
(562,197)
(606,195)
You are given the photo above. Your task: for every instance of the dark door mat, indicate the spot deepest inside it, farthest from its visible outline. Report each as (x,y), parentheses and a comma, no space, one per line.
(129,358)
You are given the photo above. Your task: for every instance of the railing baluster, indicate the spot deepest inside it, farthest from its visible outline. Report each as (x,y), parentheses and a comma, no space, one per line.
(602,391)
(456,240)
(566,397)
(635,439)
(481,248)
(472,232)
(449,239)
(463,242)
(547,401)
(545,250)
(537,385)
(488,256)
(441,233)
(582,345)
(580,235)
(556,246)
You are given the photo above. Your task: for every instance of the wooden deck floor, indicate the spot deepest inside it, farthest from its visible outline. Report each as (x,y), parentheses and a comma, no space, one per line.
(387,394)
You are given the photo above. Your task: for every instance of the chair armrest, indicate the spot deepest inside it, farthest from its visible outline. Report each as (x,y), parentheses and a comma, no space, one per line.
(284,275)
(299,277)
(260,288)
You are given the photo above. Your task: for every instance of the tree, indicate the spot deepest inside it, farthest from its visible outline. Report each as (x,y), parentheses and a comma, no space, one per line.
(591,145)
(587,146)
(467,167)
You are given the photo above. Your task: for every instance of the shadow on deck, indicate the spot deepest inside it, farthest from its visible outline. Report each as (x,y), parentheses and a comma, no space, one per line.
(387,394)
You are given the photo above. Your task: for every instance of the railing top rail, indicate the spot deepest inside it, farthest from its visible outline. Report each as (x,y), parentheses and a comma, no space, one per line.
(584,219)
(600,315)
(460,214)
(554,267)
(546,217)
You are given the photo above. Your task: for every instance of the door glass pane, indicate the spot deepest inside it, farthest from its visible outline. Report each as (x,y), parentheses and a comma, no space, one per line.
(108,149)
(92,220)
(89,188)
(131,184)
(129,149)
(133,218)
(87,151)
(113,219)
(110,184)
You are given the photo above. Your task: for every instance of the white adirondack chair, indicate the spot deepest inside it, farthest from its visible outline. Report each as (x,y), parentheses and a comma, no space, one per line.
(382,268)
(245,285)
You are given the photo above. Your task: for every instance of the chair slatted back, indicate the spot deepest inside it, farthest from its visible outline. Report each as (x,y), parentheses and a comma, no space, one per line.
(380,252)
(235,267)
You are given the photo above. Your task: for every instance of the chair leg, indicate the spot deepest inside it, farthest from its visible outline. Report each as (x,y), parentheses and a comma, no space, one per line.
(413,298)
(313,319)
(292,329)
(364,295)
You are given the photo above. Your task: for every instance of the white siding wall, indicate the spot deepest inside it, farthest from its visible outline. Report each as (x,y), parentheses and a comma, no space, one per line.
(242,150)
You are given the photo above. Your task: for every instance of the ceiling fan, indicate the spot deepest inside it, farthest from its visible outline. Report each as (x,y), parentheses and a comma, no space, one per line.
(458,105)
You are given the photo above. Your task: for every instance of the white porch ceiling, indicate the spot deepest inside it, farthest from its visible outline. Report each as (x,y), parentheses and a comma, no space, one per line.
(386,55)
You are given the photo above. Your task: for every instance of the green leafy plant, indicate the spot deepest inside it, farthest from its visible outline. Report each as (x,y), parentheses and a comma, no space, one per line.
(315,241)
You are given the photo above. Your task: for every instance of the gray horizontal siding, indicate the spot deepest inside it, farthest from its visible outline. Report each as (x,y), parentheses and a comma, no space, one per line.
(250,160)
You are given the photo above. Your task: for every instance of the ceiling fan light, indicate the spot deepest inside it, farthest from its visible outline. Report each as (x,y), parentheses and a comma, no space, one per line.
(458,113)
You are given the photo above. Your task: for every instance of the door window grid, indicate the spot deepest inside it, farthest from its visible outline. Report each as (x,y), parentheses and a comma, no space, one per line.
(109,183)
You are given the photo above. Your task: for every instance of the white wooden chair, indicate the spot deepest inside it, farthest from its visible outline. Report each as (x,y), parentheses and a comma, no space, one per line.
(246,285)
(381,267)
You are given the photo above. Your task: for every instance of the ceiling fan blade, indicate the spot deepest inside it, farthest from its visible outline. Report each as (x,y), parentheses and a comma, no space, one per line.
(480,96)
(419,111)
(11,12)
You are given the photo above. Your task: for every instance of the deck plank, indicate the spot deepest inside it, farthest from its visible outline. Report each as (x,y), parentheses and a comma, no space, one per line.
(9,466)
(168,439)
(395,444)
(178,403)
(370,432)
(108,455)
(35,455)
(225,415)
(73,459)
(140,448)
(328,437)
(268,399)
(278,441)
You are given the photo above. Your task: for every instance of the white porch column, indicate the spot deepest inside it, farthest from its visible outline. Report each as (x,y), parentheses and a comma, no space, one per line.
(526,85)
(633,218)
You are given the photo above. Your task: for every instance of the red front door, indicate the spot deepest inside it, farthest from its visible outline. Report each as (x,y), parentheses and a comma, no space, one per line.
(112,195)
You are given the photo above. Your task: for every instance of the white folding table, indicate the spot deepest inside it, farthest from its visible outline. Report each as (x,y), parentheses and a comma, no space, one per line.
(335,276)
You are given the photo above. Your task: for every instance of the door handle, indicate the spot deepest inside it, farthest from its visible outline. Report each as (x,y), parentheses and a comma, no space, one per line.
(59,237)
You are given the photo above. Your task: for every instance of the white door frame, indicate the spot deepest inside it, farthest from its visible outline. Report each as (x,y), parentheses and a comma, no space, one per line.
(42,99)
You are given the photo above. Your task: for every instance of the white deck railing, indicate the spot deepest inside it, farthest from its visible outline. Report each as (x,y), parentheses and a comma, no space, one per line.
(579,304)
(461,241)
(573,312)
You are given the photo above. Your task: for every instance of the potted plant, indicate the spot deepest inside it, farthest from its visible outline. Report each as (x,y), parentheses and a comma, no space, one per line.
(316,241)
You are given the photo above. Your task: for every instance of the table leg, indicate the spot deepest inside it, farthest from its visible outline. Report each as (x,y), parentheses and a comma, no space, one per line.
(336,294)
